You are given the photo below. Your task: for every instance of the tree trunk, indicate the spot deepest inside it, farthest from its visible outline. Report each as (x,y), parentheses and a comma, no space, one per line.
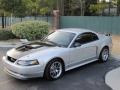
(109,11)
(21,19)
(118,9)
(35,17)
(47,17)
(3,26)
(11,19)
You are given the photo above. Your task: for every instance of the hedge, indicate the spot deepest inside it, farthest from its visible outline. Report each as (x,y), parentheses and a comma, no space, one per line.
(31,30)
(6,34)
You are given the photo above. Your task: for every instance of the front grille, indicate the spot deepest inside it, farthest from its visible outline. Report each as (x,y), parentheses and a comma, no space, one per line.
(11,59)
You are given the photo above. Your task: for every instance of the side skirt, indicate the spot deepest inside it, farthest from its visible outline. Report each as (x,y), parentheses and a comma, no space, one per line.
(81,63)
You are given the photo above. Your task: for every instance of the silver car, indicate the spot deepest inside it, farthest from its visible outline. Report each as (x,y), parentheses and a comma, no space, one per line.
(60,51)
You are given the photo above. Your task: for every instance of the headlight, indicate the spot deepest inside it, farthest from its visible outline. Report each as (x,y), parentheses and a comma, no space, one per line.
(28,63)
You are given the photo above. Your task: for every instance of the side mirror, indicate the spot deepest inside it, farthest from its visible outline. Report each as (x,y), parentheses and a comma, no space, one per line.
(76,44)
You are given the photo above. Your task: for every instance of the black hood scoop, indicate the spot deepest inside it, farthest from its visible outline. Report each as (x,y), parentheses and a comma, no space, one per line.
(30,46)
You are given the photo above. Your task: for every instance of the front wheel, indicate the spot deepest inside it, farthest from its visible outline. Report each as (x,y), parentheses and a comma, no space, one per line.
(104,55)
(54,70)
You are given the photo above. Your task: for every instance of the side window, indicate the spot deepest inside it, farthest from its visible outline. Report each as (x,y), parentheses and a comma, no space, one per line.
(94,36)
(86,38)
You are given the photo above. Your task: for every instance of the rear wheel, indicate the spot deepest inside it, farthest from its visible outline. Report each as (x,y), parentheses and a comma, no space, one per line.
(54,70)
(104,55)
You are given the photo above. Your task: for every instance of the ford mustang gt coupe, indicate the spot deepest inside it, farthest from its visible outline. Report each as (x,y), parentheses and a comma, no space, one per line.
(58,52)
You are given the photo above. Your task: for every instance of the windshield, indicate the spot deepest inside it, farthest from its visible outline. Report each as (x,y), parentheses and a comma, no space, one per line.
(60,38)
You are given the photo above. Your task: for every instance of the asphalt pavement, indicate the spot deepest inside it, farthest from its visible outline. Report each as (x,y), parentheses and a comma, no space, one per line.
(88,77)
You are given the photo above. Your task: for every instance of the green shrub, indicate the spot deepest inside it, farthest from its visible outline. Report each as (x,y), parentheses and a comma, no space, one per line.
(31,30)
(6,34)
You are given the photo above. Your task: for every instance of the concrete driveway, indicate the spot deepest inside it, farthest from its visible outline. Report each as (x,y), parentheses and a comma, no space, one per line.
(112,78)
(116,46)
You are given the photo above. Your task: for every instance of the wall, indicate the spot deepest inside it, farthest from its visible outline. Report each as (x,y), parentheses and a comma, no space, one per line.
(96,23)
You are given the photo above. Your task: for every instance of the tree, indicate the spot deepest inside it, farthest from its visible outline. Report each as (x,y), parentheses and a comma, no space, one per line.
(74,7)
(21,8)
(87,6)
(78,7)
(117,3)
(118,7)
(13,7)
(17,7)
(2,14)
(41,7)
(97,9)
(47,6)
(34,7)
(44,11)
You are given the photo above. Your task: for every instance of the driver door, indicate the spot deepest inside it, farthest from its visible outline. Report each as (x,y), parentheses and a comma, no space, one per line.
(84,49)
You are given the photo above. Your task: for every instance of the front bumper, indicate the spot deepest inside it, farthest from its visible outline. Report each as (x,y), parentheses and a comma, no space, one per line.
(22,72)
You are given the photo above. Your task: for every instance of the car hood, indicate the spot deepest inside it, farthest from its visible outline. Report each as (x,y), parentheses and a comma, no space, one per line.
(30,50)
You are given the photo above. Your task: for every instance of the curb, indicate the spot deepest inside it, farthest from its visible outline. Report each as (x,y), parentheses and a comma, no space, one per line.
(116,57)
(8,46)
(112,79)
(12,45)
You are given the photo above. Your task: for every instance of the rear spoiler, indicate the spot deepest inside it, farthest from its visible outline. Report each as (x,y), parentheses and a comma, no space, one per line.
(107,34)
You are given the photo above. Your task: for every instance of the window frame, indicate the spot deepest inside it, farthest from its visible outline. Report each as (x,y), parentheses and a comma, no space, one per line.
(86,42)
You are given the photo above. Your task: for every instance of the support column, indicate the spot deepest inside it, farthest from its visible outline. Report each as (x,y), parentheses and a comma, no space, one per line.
(56,19)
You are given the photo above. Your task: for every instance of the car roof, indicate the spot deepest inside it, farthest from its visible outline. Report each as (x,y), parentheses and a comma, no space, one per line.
(76,30)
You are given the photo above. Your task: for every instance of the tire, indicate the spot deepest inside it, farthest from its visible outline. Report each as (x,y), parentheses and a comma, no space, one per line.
(54,70)
(104,55)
